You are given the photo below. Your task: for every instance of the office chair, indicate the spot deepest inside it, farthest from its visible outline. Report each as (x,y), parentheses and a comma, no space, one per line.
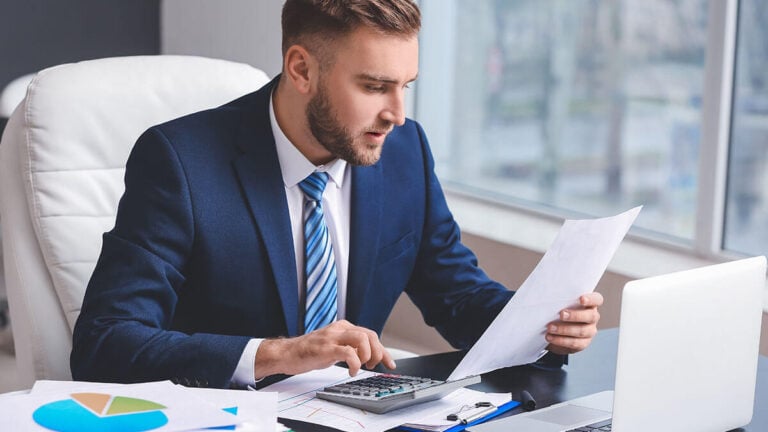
(13,93)
(10,97)
(62,159)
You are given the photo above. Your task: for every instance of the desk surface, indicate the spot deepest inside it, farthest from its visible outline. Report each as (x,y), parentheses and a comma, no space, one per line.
(588,372)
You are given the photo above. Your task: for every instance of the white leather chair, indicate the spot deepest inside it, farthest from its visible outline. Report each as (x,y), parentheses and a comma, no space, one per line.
(62,160)
(13,93)
(10,97)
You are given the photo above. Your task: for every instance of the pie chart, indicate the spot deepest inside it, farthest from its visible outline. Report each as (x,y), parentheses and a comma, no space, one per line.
(91,412)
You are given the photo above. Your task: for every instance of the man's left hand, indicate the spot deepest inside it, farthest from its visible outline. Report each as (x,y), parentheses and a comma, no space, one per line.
(576,327)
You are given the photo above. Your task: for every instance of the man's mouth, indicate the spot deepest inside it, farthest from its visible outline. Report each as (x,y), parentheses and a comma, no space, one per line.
(378,133)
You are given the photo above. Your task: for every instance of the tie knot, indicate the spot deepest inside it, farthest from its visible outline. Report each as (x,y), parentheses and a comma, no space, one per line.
(314,185)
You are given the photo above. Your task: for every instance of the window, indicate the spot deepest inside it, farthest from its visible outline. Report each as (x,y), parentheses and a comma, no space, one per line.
(747,198)
(591,107)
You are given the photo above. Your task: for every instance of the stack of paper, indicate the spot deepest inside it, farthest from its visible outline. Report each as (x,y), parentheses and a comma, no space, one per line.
(297,401)
(157,406)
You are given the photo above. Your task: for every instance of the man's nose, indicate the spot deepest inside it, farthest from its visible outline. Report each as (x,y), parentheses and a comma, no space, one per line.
(394,112)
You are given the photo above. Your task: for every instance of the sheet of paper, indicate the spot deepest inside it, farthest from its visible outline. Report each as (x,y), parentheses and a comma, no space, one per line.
(572,266)
(297,401)
(254,410)
(159,406)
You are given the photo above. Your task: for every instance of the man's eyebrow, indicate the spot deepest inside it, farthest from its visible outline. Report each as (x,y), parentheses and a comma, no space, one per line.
(381,78)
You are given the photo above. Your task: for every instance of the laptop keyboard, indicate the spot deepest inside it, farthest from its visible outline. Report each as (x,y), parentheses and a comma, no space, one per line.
(602,426)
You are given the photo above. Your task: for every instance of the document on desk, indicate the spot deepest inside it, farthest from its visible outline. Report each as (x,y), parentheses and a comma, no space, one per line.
(572,266)
(297,401)
(248,410)
(160,406)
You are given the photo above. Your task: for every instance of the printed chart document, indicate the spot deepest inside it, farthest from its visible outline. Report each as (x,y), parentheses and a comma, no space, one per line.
(84,406)
(572,266)
(297,401)
(253,410)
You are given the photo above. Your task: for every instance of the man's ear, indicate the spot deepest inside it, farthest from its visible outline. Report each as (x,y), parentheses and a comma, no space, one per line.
(300,68)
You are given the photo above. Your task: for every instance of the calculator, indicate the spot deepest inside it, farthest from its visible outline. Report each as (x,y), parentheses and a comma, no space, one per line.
(386,392)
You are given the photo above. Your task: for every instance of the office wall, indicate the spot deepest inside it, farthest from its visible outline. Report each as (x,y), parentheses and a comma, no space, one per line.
(35,34)
(246,31)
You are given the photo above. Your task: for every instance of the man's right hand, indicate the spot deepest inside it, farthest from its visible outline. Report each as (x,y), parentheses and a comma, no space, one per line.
(340,341)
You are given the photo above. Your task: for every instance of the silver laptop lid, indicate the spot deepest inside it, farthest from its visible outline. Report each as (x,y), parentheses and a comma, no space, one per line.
(688,349)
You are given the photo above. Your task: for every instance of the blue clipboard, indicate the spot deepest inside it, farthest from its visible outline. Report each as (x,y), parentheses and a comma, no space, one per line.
(460,427)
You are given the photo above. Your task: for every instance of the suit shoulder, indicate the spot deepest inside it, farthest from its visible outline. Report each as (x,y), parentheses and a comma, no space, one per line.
(214,130)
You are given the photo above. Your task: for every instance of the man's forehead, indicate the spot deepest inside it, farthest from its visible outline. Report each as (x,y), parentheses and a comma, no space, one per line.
(369,55)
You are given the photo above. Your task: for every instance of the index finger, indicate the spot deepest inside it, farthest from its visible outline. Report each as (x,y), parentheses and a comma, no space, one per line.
(388,361)
(379,353)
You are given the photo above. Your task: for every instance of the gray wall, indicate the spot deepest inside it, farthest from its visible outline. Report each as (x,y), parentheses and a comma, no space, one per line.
(35,34)
(246,31)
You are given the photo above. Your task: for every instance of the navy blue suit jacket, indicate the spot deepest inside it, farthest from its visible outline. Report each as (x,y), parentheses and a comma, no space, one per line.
(201,257)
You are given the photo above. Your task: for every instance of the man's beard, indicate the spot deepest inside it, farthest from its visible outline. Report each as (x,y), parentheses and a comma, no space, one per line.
(337,139)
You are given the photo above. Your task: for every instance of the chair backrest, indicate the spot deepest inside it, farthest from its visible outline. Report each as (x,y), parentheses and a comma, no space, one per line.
(13,93)
(62,159)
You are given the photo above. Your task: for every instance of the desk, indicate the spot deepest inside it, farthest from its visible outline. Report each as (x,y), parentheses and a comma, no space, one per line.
(588,372)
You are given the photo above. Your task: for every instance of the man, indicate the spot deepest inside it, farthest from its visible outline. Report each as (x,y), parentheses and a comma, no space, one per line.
(275,233)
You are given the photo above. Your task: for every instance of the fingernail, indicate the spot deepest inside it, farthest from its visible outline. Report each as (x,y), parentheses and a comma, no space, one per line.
(549,338)
(553,328)
(566,314)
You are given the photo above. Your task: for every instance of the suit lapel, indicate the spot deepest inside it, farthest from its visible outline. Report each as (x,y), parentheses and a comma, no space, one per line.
(363,236)
(258,170)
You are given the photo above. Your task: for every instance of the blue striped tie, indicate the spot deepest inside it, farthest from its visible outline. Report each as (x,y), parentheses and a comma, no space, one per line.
(319,264)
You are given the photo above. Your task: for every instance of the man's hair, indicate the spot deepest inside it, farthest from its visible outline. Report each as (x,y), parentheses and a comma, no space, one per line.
(314,24)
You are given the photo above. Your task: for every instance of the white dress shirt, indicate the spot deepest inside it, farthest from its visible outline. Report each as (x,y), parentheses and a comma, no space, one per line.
(336,208)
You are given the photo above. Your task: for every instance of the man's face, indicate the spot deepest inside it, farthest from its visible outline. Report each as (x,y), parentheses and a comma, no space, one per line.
(359,96)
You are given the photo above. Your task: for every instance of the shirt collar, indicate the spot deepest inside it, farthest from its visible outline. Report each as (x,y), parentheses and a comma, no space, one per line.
(294,165)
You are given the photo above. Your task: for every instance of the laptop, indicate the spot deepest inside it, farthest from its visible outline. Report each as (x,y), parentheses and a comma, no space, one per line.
(687,357)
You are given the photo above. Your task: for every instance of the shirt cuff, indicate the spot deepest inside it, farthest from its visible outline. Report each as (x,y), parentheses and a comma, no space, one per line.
(245,373)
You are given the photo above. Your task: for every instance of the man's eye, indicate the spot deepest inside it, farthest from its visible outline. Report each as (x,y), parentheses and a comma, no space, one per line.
(374,89)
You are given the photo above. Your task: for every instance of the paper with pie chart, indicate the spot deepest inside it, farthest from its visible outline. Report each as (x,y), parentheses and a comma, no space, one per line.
(254,410)
(158,406)
(100,411)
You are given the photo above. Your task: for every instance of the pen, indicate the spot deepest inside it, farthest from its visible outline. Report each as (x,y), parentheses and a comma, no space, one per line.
(528,402)
(478,415)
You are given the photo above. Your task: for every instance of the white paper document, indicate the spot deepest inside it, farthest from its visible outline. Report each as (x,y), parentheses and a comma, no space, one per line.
(572,266)
(297,401)
(160,406)
(87,406)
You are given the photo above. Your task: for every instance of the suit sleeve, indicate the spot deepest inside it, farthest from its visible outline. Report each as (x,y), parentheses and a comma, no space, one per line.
(123,331)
